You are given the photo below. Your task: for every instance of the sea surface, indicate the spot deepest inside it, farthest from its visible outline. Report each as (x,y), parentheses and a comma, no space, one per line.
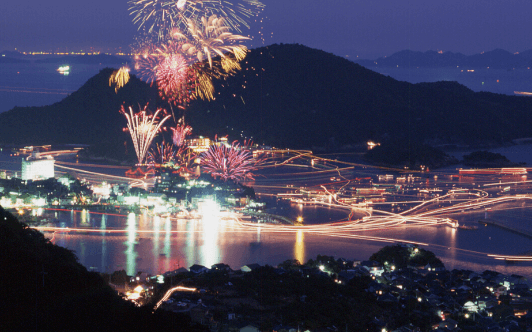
(40,84)
(157,244)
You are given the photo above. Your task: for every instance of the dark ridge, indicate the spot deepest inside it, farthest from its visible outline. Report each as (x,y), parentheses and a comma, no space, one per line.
(88,116)
(292,96)
(496,59)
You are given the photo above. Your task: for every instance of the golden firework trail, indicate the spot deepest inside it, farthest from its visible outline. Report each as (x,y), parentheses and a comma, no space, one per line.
(210,38)
(119,78)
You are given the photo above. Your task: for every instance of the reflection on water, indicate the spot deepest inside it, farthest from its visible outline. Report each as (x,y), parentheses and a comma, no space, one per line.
(153,244)
(103,226)
(299,247)
(131,253)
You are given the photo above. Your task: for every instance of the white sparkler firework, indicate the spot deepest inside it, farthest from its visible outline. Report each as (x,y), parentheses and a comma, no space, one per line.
(143,129)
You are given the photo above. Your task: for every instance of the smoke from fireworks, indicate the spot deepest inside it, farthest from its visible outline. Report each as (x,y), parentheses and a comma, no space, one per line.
(229,163)
(143,128)
(119,78)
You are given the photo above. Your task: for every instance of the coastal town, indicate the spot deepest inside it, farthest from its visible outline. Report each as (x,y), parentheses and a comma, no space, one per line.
(335,294)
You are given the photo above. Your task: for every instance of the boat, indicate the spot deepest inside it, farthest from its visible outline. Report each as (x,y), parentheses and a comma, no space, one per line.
(492,171)
(65,69)
(468,227)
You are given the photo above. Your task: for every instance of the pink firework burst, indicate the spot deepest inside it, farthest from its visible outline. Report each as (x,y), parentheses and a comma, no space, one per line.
(174,78)
(163,153)
(229,163)
(170,69)
(180,132)
(171,73)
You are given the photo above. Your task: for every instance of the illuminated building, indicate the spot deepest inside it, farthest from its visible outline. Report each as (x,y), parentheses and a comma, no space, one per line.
(30,149)
(35,168)
(198,144)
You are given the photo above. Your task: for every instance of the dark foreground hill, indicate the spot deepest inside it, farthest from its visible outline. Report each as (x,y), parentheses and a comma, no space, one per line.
(44,288)
(292,96)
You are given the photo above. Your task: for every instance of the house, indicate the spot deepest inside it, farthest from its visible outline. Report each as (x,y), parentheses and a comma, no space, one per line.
(243,327)
(175,272)
(375,268)
(470,306)
(500,290)
(283,328)
(197,269)
(449,324)
(221,267)
(486,301)
(249,267)
(249,328)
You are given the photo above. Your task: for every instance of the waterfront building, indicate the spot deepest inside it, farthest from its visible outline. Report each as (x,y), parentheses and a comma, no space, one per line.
(199,144)
(37,168)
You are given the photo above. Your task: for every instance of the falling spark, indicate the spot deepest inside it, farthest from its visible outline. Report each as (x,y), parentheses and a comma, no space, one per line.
(119,78)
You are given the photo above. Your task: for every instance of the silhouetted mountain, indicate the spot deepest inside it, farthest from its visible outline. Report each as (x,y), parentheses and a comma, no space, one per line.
(496,59)
(89,115)
(292,96)
(86,59)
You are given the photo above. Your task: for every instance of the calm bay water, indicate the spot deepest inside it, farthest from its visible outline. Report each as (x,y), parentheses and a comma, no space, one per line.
(36,84)
(172,243)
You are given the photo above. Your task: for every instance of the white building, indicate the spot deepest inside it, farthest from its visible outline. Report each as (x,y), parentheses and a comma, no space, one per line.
(35,168)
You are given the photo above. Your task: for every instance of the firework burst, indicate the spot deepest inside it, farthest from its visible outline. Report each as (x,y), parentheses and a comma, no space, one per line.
(174,78)
(160,16)
(161,154)
(210,37)
(229,163)
(154,15)
(143,128)
(180,132)
(185,158)
(119,78)
(170,69)
(236,15)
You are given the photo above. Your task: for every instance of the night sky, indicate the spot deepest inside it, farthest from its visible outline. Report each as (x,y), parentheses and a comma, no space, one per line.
(368,29)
